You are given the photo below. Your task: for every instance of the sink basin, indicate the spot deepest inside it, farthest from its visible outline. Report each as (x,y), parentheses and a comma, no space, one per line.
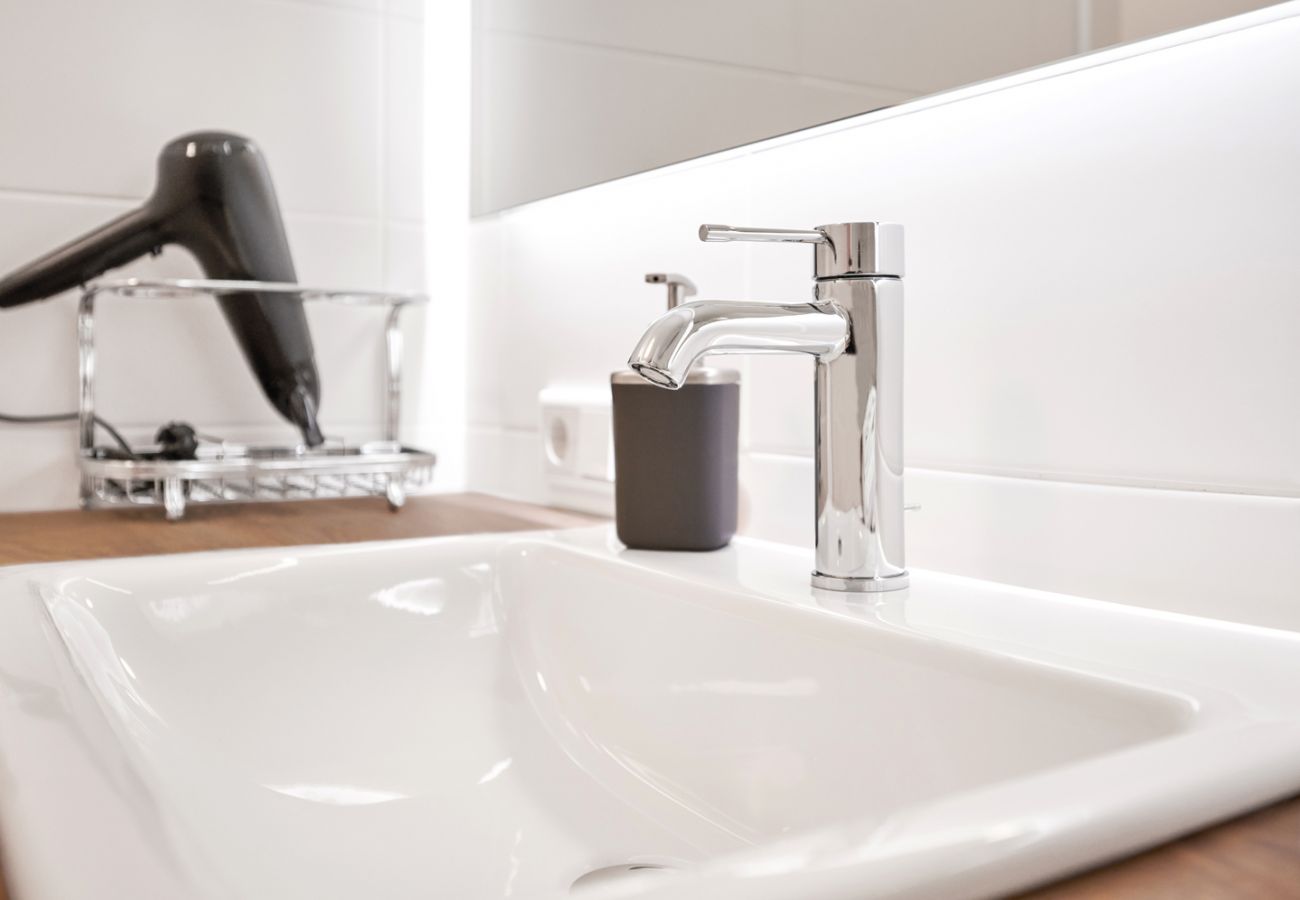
(544,716)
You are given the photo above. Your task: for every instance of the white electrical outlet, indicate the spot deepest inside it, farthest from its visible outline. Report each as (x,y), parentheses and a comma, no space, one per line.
(578,447)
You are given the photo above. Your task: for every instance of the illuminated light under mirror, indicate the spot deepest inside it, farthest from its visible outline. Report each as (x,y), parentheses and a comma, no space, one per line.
(656,83)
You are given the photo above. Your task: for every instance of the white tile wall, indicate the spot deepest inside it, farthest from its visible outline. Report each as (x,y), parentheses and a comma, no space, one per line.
(1194,552)
(561,115)
(304,78)
(1117,303)
(1140,18)
(914,47)
(579,91)
(331,90)
(1101,376)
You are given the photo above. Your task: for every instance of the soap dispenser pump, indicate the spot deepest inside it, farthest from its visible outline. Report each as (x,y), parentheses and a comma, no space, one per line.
(675,453)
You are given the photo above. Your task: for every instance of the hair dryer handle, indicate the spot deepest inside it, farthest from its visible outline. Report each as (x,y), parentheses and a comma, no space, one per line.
(107,247)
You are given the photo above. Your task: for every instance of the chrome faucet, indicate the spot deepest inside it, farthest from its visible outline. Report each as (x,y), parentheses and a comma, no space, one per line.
(854,329)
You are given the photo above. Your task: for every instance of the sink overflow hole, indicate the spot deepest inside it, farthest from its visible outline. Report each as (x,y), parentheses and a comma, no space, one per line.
(624,873)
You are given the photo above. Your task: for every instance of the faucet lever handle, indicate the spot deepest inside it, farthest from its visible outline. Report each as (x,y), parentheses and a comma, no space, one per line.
(849,249)
(710,233)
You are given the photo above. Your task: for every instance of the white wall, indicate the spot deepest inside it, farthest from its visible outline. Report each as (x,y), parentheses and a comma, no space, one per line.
(1134,19)
(1102,316)
(572,92)
(330,89)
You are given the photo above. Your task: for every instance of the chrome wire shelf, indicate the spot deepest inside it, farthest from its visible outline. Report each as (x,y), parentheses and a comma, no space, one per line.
(235,473)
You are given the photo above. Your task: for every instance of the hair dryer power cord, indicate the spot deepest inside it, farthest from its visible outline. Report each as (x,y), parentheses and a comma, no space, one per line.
(69,417)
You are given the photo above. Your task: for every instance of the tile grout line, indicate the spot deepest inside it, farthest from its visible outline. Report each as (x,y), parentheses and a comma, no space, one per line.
(1056,477)
(72,198)
(904,93)
(55,196)
(1049,478)
(334,6)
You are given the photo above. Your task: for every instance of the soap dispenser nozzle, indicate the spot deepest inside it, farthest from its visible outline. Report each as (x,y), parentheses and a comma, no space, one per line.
(679,286)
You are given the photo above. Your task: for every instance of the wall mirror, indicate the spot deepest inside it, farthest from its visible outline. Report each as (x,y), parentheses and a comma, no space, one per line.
(568,93)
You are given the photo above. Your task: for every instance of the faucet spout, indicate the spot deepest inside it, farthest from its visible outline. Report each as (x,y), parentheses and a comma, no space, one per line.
(674,341)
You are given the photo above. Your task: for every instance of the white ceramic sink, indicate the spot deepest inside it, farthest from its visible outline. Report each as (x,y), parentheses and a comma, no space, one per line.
(501,716)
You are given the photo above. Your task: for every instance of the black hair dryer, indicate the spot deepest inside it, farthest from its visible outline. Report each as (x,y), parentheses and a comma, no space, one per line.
(214,198)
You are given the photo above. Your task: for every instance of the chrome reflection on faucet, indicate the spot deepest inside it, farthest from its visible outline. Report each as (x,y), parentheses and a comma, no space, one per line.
(853,328)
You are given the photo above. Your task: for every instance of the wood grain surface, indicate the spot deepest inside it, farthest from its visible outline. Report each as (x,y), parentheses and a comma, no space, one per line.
(1255,857)
(96,534)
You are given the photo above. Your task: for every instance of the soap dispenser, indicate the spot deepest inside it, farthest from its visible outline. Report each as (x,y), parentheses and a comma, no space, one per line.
(675,453)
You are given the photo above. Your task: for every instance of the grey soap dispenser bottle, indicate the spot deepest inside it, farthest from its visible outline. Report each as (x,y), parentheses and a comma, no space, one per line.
(675,465)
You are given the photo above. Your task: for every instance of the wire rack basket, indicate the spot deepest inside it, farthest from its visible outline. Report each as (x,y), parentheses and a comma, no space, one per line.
(235,473)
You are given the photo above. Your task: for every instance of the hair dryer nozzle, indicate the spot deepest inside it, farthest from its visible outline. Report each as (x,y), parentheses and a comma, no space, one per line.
(303,407)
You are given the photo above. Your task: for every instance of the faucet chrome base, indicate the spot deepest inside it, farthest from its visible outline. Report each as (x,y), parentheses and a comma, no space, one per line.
(860,585)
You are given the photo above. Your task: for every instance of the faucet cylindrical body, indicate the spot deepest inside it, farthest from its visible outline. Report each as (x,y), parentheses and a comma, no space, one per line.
(859,441)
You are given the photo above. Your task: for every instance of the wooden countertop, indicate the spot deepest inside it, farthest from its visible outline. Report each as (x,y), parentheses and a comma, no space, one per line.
(1255,856)
(74,534)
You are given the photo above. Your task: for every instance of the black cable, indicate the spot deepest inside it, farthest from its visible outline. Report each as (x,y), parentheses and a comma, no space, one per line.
(69,417)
